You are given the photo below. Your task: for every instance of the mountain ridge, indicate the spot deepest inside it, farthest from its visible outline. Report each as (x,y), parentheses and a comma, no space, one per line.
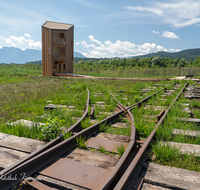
(189,54)
(16,55)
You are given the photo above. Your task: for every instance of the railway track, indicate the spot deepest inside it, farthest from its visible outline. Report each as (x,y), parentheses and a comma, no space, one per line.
(93,157)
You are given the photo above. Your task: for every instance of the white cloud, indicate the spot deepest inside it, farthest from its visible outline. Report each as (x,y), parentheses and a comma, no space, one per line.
(178,13)
(94,40)
(85,3)
(27,35)
(147,9)
(77,43)
(174,50)
(156,32)
(21,42)
(118,49)
(168,34)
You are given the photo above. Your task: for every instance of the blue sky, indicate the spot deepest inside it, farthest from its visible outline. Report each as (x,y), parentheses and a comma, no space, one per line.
(105,28)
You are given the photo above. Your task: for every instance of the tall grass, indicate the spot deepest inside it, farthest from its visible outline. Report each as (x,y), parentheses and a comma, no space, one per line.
(171,156)
(139,73)
(22,131)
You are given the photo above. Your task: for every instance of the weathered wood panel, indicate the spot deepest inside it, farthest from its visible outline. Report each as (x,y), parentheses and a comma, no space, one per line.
(70,49)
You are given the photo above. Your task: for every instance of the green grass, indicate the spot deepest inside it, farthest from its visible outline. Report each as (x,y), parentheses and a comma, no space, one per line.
(195,103)
(120,149)
(102,149)
(26,100)
(51,129)
(66,135)
(86,123)
(196,113)
(102,127)
(34,132)
(118,131)
(132,73)
(171,156)
(81,142)
(164,133)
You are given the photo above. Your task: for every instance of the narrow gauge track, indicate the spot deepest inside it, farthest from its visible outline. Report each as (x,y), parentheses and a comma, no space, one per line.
(130,178)
(104,179)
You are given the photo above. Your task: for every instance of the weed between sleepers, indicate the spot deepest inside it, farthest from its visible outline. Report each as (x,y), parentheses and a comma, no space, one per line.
(22,131)
(81,143)
(118,131)
(120,149)
(110,103)
(143,125)
(102,149)
(165,133)
(86,123)
(171,156)
(51,130)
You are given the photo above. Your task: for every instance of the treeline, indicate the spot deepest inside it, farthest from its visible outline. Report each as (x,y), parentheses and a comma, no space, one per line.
(28,66)
(35,62)
(116,63)
(136,63)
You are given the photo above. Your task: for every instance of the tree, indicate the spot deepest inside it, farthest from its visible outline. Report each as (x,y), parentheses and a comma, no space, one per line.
(176,61)
(155,61)
(182,63)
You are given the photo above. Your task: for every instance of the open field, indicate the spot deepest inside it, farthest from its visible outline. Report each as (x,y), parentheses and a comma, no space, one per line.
(34,69)
(34,98)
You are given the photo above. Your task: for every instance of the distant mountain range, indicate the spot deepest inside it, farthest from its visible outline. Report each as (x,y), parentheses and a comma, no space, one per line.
(16,55)
(189,54)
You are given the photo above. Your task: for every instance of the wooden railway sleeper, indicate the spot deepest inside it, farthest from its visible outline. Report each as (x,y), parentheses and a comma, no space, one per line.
(37,184)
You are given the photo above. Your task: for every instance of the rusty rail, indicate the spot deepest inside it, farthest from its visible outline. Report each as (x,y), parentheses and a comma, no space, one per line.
(128,177)
(129,154)
(124,161)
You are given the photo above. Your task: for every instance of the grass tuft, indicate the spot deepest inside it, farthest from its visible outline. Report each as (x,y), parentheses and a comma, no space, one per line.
(81,143)
(120,149)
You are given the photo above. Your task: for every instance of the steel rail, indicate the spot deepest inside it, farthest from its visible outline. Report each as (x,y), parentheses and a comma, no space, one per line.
(129,153)
(32,165)
(127,179)
(124,160)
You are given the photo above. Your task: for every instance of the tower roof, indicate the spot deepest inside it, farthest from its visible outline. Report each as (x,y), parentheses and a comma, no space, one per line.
(57,25)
